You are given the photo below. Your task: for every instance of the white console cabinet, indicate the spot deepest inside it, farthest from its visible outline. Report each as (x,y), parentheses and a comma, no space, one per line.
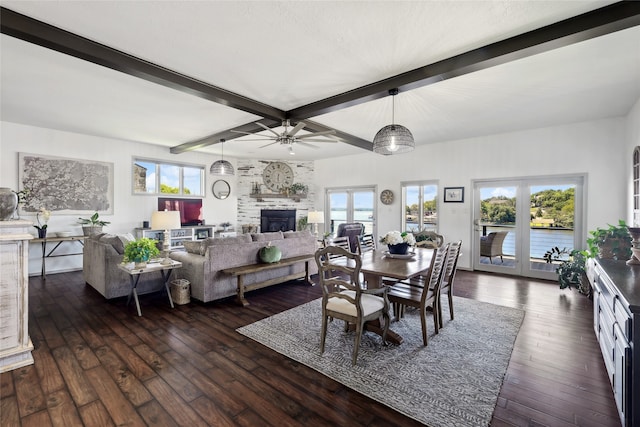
(616,312)
(15,344)
(178,235)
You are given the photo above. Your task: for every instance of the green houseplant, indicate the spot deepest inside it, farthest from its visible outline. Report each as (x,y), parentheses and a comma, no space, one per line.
(298,188)
(572,268)
(613,242)
(92,225)
(140,251)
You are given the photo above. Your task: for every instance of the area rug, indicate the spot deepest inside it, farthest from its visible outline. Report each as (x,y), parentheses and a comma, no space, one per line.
(454,381)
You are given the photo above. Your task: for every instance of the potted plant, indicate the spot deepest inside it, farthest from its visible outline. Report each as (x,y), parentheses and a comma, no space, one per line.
(298,188)
(572,268)
(92,225)
(140,251)
(303,223)
(613,242)
(397,242)
(225,225)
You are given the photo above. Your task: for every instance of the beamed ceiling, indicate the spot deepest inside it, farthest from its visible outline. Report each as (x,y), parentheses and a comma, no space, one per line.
(186,74)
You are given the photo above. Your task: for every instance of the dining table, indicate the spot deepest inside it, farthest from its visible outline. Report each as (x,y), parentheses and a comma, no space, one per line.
(378,266)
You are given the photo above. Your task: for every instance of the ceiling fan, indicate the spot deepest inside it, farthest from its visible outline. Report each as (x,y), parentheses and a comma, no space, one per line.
(289,137)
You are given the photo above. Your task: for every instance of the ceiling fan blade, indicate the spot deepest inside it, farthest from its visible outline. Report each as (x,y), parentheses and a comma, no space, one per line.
(307,145)
(296,129)
(311,135)
(267,128)
(242,132)
(275,142)
(318,140)
(266,138)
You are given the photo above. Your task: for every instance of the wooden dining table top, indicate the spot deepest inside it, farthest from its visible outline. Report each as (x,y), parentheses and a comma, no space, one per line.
(377,264)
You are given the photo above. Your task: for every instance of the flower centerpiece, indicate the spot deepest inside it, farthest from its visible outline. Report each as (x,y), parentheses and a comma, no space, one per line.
(42,217)
(397,242)
(140,251)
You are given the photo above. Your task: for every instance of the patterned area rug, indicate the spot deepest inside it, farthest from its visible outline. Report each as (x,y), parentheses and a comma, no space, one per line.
(454,381)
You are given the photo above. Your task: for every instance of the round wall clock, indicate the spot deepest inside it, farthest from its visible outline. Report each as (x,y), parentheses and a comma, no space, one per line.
(386,197)
(277,176)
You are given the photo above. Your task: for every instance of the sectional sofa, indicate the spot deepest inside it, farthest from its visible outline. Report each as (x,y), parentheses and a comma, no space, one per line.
(202,263)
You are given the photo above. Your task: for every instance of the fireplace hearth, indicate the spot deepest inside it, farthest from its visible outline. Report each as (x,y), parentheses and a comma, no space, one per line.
(277,220)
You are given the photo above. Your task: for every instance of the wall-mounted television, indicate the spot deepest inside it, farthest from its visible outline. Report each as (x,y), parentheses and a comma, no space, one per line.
(190,209)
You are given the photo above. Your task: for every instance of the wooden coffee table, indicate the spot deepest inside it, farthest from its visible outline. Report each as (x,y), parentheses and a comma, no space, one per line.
(135,273)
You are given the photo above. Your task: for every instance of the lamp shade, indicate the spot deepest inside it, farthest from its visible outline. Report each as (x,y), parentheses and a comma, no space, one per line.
(165,220)
(393,139)
(315,217)
(221,167)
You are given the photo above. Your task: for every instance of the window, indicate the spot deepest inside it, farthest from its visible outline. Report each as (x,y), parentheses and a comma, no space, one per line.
(636,186)
(420,200)
(153,177)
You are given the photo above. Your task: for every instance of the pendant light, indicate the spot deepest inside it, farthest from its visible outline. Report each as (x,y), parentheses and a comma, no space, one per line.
(393,138)
(221,167)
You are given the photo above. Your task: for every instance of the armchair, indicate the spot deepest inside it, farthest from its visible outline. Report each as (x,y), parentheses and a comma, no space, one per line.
(491,244)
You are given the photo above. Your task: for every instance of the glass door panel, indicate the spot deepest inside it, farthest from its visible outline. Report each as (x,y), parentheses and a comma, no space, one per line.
(496,228)
(553,224)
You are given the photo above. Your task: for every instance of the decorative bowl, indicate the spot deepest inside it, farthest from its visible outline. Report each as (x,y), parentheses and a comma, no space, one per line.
(63,234)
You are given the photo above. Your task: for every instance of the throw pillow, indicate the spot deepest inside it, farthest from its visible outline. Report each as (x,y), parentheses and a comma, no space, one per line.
(114,241)
(193,247)
(267,237)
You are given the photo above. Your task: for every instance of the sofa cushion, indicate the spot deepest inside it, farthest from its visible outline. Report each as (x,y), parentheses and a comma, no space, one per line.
(296,234)
(267,237)
(194,247)
(242,238)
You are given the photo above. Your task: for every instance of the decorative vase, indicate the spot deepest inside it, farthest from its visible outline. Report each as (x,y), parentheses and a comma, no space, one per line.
(634,232)
(140,264)
(8,203)
(42,233)
(399,249)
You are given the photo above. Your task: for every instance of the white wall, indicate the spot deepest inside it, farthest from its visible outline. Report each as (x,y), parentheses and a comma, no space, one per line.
(633,140)
(601,149)
(129,210)
(595,148)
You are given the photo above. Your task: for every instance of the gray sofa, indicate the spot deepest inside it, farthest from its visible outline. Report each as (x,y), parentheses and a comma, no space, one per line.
(101,255)
(203,261)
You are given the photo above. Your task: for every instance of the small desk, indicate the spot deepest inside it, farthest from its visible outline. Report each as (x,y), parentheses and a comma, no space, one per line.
(58,241)
(255,268)
(135,273)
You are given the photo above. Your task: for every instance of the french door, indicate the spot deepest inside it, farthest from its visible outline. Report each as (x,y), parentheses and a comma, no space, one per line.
(354,204)
(517,221)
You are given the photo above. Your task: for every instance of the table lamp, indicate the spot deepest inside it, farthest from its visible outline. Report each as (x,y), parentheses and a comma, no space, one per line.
(315,218)
(167,221)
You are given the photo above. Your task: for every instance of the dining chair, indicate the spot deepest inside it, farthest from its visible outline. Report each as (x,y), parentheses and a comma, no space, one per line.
(404,294)
(343,298)
(366,243)
(448,277)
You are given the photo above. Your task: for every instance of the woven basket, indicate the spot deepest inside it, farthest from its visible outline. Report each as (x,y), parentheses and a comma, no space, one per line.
(180,291)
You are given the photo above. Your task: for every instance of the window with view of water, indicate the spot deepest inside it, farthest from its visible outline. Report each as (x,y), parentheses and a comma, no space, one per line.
(347,205)
(153,177)
(420,202)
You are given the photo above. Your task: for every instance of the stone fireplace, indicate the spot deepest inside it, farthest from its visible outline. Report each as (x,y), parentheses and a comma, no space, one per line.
(277,220)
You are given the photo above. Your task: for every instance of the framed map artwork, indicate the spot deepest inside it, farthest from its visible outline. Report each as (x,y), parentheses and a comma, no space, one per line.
(64,185)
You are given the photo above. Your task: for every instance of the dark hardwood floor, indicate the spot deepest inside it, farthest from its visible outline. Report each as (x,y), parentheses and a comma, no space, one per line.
(97,363)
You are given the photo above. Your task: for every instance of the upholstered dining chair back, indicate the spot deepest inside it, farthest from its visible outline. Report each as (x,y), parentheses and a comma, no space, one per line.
(343,298)
(352,230)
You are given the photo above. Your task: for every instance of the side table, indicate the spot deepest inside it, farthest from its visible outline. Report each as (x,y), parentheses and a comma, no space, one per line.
(135,273)
(58,241)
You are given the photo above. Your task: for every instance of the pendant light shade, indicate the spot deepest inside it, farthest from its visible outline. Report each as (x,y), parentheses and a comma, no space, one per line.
(221,167)
(393,138)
